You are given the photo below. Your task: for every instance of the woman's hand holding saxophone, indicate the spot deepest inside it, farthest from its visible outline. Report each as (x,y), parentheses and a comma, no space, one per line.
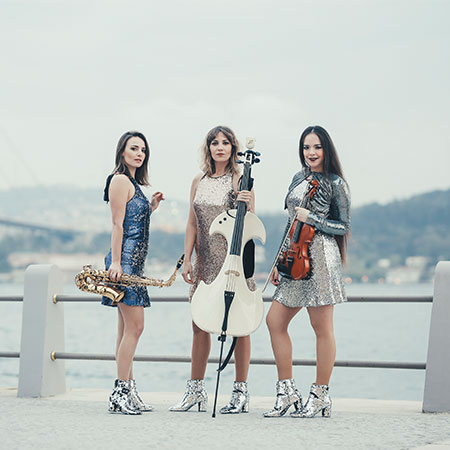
(115,271)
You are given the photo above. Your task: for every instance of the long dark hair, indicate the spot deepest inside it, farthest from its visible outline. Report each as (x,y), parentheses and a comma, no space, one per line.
(331,164)
(141,175)
(207,162)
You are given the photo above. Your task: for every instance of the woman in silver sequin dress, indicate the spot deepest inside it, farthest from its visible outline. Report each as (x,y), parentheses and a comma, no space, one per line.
(213,191)
(329,214)
(130,211)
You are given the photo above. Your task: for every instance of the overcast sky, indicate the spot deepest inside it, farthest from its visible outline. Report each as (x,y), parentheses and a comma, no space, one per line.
(76,74)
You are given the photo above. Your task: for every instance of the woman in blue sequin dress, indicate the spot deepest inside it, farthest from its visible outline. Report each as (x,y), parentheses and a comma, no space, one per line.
(131,212)
(329,214)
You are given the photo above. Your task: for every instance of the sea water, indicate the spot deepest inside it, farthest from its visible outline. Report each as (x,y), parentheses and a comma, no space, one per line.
(364,331)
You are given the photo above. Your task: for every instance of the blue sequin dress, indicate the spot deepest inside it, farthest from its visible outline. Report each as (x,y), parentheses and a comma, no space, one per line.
(134,247)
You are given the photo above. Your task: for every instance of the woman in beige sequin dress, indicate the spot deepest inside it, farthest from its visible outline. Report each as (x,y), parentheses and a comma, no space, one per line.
(213,191)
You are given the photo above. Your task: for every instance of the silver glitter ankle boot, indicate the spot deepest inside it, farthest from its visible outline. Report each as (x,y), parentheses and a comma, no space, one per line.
(119,400)
(287,395)
(318,401)
(136,399)
(195,395)
(239,399)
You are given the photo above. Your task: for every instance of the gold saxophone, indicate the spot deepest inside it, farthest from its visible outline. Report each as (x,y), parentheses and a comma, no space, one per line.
(97,281)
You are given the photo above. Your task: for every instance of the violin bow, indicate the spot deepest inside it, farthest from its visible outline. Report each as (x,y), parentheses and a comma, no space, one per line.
(283,243)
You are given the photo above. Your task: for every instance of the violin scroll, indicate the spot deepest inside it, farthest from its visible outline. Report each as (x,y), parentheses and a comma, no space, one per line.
(315,185)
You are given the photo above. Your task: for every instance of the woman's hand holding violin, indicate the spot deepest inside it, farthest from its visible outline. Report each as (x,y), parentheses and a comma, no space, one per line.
(302,214)
(187,273)
(156,198)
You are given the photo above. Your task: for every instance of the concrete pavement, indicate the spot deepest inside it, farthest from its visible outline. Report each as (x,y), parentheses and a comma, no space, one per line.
(79,420)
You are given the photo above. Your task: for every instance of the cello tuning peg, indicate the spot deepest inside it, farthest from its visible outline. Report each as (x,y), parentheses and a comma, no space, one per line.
(241,153)
(256,160)
(239,161)
(257,154)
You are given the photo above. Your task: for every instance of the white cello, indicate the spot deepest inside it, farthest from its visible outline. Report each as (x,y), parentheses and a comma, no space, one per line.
(227,306)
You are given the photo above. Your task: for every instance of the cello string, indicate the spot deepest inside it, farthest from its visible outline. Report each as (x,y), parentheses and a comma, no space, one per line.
(236,247)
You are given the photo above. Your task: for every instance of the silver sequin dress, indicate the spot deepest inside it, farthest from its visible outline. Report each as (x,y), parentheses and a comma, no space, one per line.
(330,215)
(213,196)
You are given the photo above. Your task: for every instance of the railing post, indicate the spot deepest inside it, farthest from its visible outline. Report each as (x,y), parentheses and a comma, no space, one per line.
(437,380)
(42,333)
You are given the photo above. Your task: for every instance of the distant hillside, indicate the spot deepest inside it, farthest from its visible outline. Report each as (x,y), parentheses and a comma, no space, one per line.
(418,226)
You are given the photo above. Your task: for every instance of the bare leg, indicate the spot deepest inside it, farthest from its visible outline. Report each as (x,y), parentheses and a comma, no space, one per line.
(133,318)
(120,327)
(321,319)
(278,319)
(201,345)
(242,358)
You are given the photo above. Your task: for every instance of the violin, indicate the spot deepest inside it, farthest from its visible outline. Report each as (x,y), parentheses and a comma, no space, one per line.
(227,306)
(295,261)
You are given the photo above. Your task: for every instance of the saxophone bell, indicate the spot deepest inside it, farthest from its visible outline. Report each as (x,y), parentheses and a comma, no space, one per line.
(115,295)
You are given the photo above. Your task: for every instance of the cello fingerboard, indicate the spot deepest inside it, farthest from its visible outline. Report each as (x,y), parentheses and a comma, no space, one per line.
(236,241)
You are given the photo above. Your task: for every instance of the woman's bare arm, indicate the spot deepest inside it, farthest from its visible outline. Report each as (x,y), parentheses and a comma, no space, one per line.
(119,193)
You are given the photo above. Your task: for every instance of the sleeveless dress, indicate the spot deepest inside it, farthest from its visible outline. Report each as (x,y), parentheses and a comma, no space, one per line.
(134,247)
(325,285)
(213,196)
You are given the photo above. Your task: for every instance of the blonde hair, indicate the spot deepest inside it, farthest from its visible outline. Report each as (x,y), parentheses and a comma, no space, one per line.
(207,162)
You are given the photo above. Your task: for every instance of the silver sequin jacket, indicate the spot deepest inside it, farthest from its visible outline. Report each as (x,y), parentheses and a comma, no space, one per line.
(330,206)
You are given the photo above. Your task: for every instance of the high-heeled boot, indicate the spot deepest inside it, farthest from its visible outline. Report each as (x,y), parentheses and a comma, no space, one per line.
(287,396)
(239,399)
(195,395)
(136,399)
(318,401)
(119,400)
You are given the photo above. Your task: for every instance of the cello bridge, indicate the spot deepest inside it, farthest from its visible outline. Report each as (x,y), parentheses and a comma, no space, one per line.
(232,272)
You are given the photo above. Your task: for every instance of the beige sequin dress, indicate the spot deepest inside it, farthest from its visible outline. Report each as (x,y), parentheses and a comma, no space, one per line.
(213,196)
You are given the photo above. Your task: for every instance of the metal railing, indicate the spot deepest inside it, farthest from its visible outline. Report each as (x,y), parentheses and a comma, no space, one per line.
(351,299)
(255,361)
(42,355)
